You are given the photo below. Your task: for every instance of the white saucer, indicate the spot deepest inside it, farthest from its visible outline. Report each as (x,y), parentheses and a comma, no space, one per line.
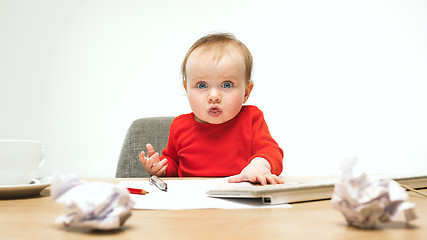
(24,190)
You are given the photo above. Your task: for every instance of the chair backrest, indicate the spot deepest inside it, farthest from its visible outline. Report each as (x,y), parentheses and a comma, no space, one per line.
(153,130)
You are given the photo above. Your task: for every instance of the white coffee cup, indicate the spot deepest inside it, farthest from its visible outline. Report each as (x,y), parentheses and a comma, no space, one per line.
(19,161)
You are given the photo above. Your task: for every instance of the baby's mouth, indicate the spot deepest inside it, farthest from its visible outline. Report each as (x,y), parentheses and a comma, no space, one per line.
(214,111)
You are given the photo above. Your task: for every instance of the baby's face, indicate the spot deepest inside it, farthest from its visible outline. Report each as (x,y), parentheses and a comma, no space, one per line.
(216,90)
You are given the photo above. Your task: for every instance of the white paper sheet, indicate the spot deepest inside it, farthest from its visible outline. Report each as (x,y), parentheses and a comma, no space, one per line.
(189,194)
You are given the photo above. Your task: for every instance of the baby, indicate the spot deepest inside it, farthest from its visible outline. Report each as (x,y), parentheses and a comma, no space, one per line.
(221,137)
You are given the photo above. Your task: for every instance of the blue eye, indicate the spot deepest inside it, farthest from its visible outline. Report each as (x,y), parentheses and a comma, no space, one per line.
(202,85)
(227,85)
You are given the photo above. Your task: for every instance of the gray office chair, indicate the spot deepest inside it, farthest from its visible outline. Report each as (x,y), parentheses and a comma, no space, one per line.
(153,130)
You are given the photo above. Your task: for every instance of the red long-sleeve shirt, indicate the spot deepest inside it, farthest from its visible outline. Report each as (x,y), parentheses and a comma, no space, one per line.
(219,150)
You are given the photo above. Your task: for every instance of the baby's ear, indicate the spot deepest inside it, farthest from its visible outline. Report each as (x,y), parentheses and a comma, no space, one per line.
(248,90)
(184,84)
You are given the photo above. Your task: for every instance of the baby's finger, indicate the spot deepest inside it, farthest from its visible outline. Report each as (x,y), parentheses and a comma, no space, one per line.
(150,150)
(261,179)
(237,178)
(158,164)
(274,179)
(278,179)
(151,162)
(162,171)
(142,158)
(271,179)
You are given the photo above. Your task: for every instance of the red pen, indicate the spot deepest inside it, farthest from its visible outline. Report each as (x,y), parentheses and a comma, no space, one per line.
(137,191)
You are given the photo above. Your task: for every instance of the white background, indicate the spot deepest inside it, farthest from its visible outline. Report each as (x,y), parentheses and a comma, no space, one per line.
(333,78)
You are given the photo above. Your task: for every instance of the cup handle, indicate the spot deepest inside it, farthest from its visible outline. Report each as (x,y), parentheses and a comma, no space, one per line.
(43,154)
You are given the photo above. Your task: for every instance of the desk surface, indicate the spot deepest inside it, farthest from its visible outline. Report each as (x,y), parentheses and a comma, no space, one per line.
(33,218)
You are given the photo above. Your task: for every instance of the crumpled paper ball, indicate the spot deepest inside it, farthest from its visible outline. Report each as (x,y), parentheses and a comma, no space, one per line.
(91,205)
(366,201)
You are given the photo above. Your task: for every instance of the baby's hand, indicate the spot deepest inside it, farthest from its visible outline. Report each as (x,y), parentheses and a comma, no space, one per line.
(152,163)
(258,171)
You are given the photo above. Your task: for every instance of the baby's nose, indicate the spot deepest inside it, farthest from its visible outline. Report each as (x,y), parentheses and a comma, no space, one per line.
(214,96)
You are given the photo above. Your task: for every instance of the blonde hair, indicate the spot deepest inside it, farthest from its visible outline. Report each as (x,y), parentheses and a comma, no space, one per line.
(221,42)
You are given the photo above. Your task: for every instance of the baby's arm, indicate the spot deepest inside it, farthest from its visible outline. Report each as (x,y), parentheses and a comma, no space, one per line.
(257,171)
(152,163)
